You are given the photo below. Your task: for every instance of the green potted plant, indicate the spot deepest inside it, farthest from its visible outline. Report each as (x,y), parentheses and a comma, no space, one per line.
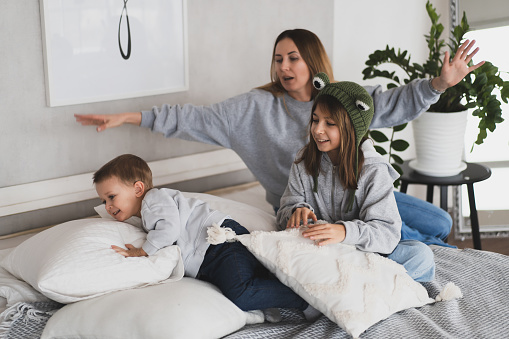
(477,92)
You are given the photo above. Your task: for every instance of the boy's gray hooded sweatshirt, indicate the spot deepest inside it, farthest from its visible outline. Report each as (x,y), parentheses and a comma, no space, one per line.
(170,218)
(373,224)
(267,136)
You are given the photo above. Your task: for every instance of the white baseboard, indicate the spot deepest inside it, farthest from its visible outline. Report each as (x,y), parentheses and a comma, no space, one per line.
(60,191)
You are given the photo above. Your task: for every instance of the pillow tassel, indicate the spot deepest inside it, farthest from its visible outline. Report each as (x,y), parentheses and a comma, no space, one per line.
(449,292)
(218,235)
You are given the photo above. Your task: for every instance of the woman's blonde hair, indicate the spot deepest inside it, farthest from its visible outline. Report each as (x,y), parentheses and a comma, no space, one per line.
(312,52)
(127,168)
(312,156)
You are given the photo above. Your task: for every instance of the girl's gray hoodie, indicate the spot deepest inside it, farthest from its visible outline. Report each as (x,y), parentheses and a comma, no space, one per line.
(373,224)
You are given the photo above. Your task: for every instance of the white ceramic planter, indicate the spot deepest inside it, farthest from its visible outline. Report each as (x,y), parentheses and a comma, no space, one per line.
(439,143)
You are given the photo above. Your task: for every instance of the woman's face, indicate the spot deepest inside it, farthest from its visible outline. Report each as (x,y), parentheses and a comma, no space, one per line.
(292,70)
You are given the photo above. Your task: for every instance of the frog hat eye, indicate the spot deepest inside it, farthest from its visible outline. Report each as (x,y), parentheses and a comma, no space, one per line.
(320,81)
(362,105)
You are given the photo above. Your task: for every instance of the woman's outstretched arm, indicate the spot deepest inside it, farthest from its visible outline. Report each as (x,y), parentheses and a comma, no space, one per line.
(104,121)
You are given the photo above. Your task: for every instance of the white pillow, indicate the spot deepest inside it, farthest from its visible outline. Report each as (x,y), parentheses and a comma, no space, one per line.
(252,218)
(188,308)
(354,289)
(74,260)
(15,290)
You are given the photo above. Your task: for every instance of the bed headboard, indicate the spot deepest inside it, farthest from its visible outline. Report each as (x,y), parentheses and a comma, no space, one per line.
(47,194)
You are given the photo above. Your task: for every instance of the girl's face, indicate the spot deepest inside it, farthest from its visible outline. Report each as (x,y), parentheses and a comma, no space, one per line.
(122,201)
(292,70)
(325,132)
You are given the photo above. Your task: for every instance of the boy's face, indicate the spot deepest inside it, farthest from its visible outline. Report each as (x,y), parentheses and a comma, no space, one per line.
(122,201)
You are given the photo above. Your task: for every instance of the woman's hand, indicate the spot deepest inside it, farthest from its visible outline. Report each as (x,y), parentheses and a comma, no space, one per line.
(131,251)
(326,234)
(104,121)
(300,214)
(453,71)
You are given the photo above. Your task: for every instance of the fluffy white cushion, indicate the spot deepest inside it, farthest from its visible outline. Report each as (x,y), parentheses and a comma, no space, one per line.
(355,289)
(74,260)
(252,218)
(15,290)
(188,308)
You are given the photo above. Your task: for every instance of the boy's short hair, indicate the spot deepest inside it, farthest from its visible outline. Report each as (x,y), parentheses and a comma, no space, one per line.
(127,168)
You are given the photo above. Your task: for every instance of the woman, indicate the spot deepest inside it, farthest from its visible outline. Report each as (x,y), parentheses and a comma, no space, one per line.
(253,124)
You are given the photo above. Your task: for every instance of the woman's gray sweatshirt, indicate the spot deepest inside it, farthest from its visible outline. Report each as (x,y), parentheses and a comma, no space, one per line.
(265,135)
(373,224)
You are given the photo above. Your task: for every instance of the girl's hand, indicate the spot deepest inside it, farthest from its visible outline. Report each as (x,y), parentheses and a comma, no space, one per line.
(300,214)
(104,121)
(453,71)
(326,233)
(131,251)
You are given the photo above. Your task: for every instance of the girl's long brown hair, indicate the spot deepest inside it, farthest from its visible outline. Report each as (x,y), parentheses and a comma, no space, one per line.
(311,50)
(347,148)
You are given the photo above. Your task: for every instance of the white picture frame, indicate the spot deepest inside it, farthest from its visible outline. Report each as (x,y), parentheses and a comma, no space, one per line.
(101,50)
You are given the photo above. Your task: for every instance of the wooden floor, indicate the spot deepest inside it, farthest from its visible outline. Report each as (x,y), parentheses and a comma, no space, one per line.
(494,244)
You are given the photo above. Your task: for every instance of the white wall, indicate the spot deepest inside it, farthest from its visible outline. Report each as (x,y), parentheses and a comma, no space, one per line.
(230,46)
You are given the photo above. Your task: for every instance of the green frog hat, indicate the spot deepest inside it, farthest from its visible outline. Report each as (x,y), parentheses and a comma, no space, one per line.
(358,104)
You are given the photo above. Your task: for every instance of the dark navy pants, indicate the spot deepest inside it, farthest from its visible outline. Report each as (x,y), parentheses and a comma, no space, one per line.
(243,279)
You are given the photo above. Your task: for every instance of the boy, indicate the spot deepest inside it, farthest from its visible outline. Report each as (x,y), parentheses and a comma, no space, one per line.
(125,186)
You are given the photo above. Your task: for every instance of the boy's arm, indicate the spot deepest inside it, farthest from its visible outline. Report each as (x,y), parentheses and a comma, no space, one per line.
(161,219)
(131,251)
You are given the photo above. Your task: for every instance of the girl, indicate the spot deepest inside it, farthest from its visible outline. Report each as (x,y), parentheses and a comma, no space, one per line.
(338,177)
(254,124)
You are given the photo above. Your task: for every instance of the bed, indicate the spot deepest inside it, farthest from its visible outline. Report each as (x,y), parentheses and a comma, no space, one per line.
(186,308)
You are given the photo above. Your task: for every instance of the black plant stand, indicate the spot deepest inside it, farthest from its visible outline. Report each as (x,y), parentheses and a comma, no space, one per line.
(472,174)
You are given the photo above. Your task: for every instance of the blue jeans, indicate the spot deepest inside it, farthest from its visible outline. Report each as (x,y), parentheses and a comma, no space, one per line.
(243,279)
(423,221)
(417,258)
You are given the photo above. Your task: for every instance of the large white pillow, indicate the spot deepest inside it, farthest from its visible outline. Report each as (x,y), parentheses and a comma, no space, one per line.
(15,290)
(74,260)
(188,308)
(252,218)
(355,289)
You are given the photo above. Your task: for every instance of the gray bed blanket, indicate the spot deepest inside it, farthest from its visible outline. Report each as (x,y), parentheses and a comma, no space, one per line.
(27,320)
(483,312)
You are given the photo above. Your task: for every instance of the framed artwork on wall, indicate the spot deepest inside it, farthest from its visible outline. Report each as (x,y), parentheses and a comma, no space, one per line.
(100,50)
